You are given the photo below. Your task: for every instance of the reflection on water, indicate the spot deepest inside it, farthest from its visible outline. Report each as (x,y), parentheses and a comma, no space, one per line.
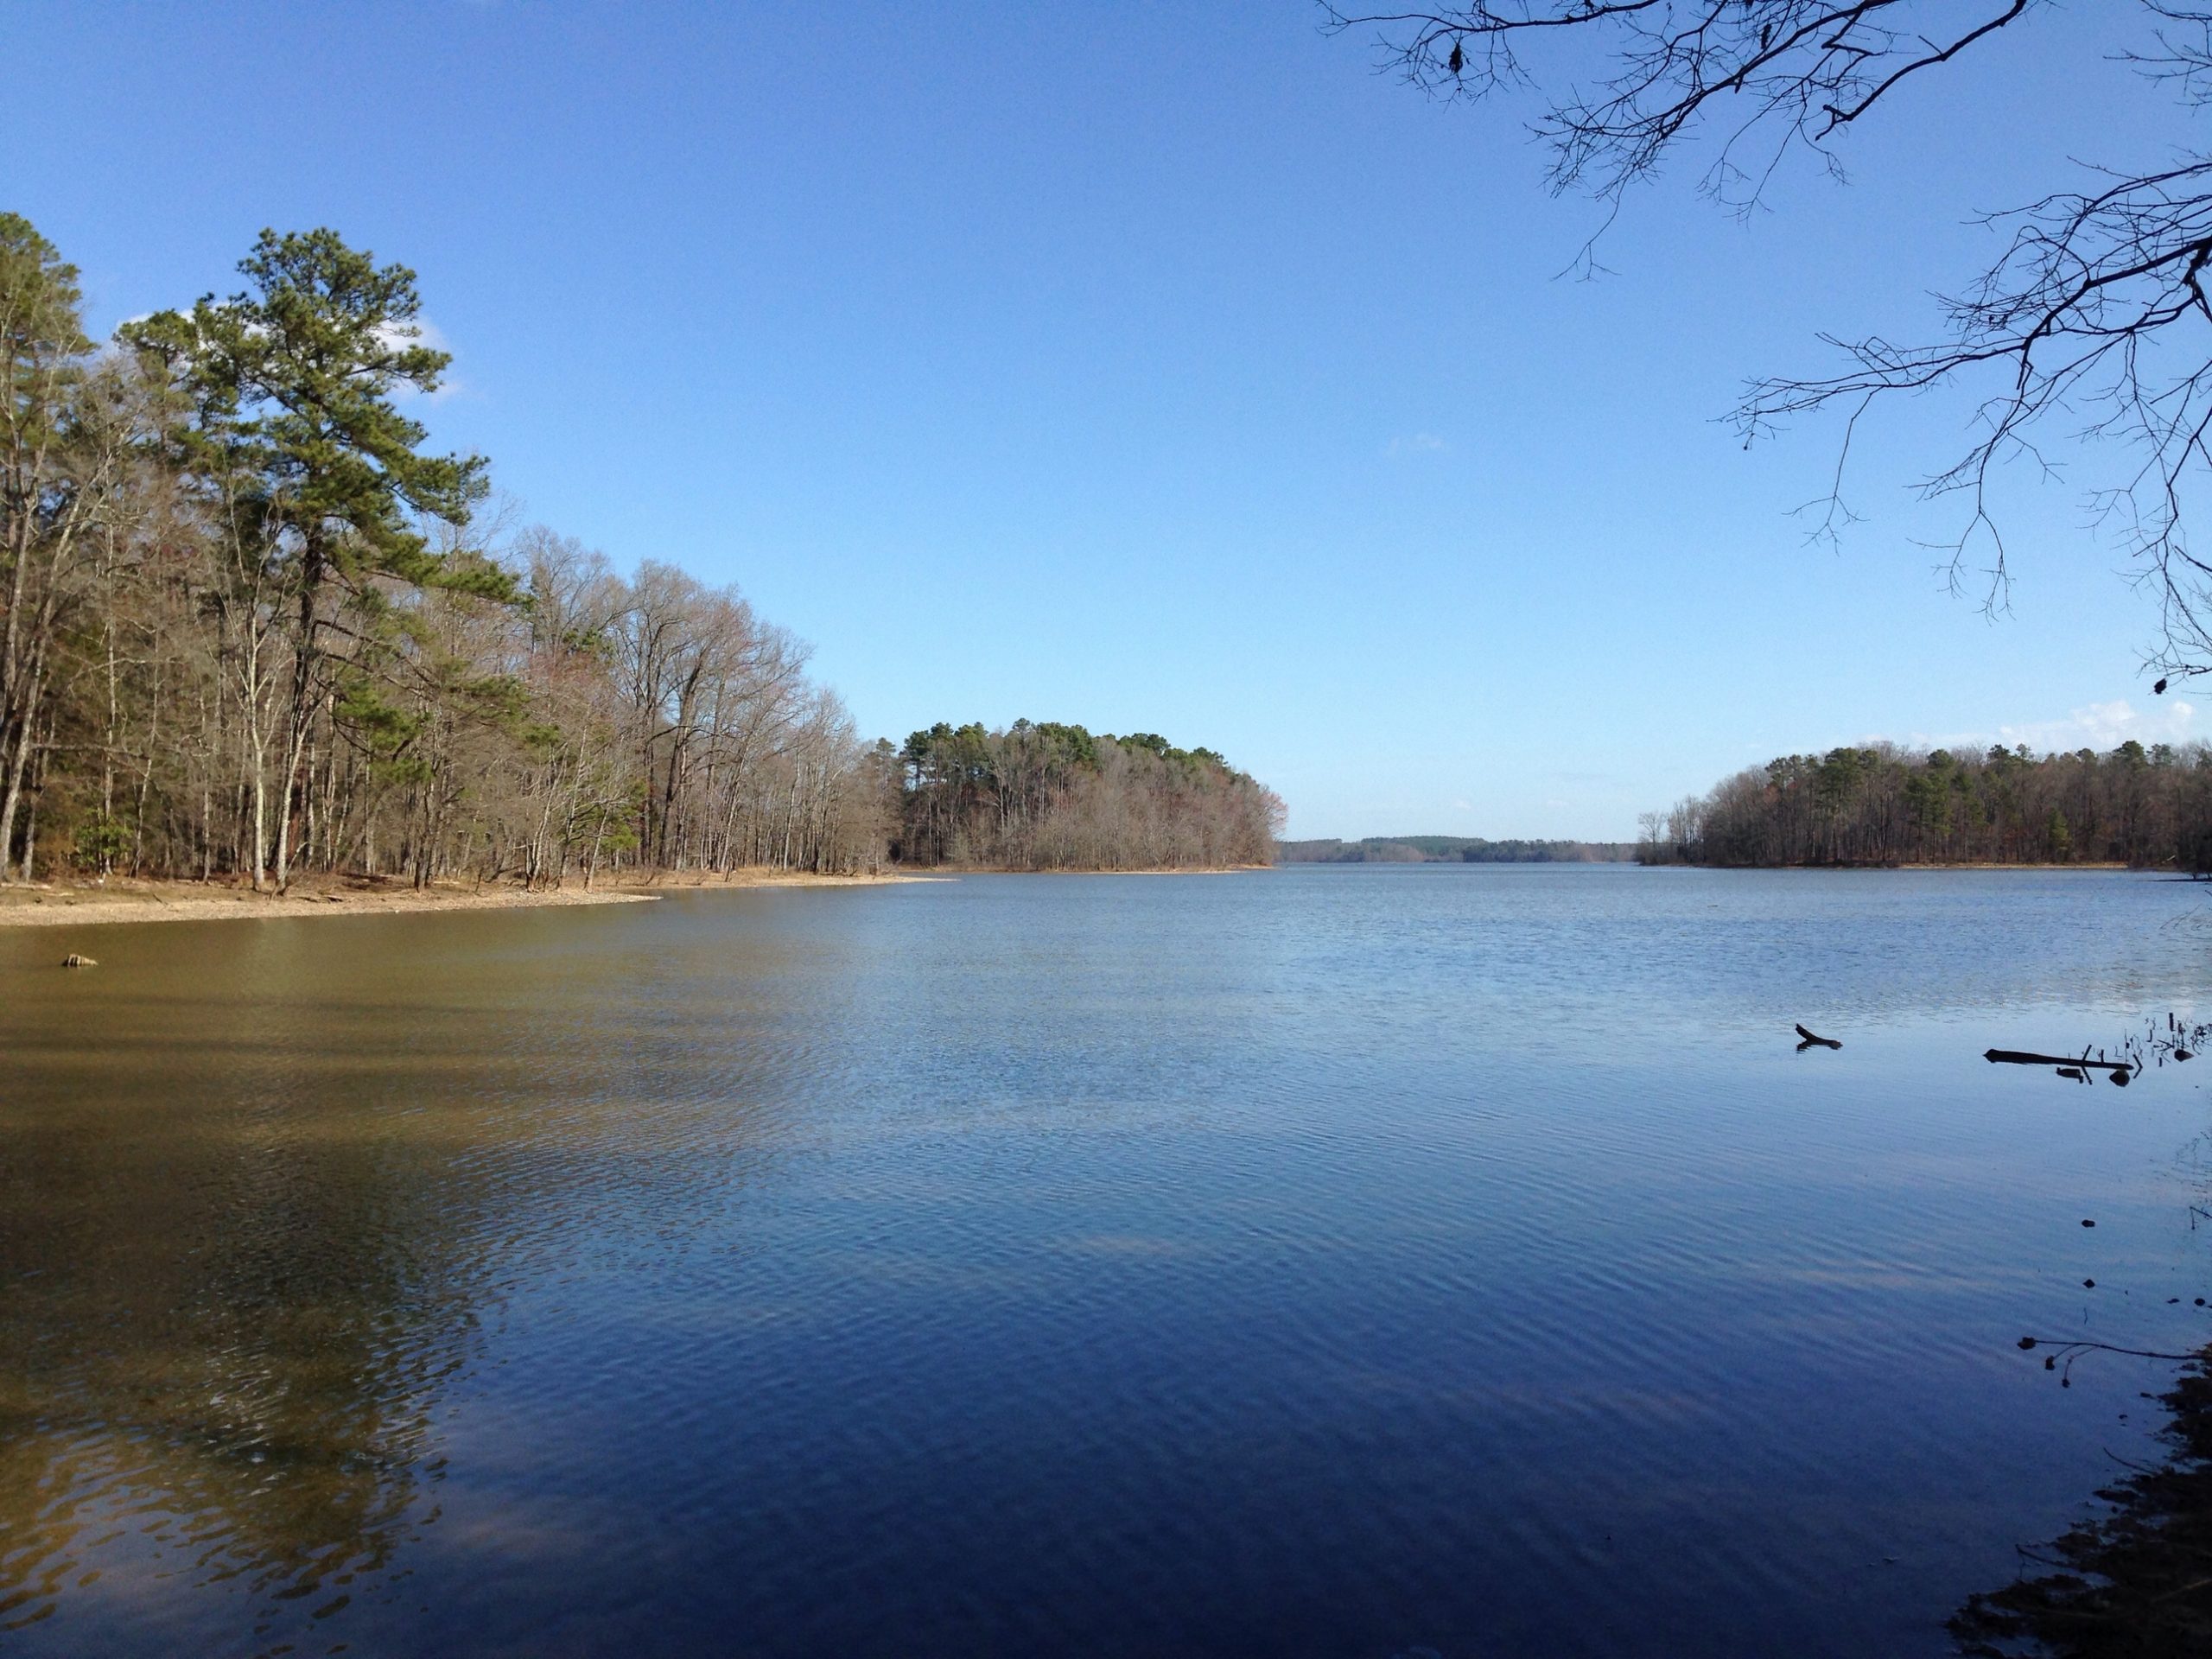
(226,1331)
(255,1211)
(1340,1262)
(257,1329)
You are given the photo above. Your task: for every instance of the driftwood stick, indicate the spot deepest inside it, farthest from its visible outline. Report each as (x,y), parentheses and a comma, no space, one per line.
(1810,1040)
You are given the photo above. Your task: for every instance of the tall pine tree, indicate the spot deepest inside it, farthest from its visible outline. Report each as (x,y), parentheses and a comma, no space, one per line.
(299,373)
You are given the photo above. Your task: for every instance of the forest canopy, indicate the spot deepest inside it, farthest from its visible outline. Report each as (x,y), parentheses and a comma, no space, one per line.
(1882,804)
(251,625)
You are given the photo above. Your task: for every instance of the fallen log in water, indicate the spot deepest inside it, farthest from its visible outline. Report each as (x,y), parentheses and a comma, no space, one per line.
(1811,1041)
(2122,1072)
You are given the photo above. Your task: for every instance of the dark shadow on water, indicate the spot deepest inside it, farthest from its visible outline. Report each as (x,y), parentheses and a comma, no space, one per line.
(2133,1579)
(2132,1582)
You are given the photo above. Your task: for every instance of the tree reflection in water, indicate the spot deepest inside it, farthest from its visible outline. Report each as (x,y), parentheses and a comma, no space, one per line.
(231,1353)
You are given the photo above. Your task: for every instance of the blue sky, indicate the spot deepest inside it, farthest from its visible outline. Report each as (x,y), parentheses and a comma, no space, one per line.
(1155,366)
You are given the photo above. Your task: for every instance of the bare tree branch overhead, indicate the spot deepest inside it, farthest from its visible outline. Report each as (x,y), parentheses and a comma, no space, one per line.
(2091,331)
(1778,74)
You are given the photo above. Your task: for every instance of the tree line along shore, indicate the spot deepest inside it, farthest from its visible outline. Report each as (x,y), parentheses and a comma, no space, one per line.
(2132,807)
(253,631)
(1451,849)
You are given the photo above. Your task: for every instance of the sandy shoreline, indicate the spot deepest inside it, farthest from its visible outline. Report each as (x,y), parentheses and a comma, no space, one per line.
(64,905)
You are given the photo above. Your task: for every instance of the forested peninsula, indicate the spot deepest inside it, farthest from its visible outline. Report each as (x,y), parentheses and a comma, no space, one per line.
(1451,849)
(1053,796)
(2144,808)
(251,630)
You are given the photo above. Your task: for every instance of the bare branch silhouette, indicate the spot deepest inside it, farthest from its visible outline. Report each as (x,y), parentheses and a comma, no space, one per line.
(2091,332)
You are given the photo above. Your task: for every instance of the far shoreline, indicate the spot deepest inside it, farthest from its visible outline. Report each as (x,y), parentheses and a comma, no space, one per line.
(1176,869)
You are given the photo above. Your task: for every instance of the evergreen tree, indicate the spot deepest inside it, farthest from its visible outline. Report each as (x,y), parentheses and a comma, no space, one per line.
(298,373)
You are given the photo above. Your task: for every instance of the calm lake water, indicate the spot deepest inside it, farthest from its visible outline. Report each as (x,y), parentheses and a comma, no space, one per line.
(1346,1261)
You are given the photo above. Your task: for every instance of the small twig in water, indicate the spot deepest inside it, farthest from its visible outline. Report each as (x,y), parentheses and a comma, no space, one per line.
(2067,1352)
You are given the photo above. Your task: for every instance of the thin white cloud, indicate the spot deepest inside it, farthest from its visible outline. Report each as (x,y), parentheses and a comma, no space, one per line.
(2106,726)
(1418,443)
(422,332)
(2098,726)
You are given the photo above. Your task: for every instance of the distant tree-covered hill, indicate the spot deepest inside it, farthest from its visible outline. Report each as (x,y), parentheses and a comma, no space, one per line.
(1883,804)
(1451,849)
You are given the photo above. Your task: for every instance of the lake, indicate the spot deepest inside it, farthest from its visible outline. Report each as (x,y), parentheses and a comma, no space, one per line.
(1348,1261)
